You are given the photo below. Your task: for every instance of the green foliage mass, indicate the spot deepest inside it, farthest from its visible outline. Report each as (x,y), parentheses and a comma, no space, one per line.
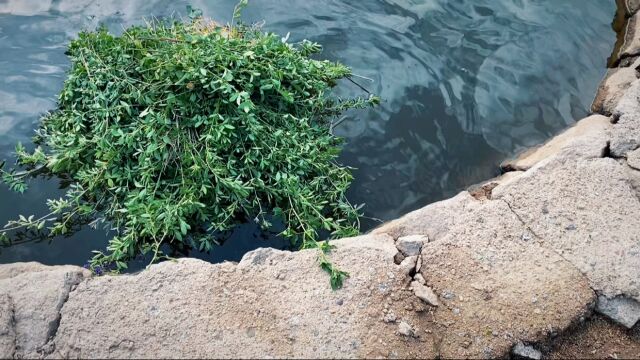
(176,132)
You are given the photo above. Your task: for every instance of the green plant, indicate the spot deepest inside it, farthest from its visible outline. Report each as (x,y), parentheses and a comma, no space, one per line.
(176,132)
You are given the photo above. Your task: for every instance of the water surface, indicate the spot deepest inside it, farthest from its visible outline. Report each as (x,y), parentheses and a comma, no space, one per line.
(465,83)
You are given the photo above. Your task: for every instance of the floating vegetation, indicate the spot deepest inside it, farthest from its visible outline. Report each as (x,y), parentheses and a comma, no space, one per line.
(176,132)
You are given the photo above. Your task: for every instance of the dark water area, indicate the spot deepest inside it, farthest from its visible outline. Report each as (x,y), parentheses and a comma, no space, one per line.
(464,83)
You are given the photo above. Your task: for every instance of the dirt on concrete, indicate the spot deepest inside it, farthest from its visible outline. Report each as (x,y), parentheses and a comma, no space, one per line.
(598,338)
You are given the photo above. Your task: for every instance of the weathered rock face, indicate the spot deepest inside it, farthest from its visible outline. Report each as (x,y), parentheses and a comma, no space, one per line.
(631,44)
(579,140)
(433,220)
(273,303)
(497,286)
(622,310)
(611,89)
(625,136)
(31,296)
(586,211)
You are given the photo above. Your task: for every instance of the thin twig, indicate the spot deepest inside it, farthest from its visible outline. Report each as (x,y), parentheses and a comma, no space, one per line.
(358,85)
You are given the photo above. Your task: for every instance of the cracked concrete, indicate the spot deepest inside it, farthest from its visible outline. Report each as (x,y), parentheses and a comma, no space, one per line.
(34,294)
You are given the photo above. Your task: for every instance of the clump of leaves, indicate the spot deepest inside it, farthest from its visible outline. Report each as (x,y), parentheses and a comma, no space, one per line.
(176,132)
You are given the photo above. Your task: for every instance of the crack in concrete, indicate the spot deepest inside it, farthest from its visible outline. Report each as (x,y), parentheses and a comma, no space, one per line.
(13,326)
(524,223)
(542,243)
(69,286)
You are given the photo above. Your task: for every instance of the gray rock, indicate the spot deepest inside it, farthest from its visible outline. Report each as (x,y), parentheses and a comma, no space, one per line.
(37,293)
(411,245)
(390,317)
(622,310)
(633,159)
(406,329)
(424,293)
(448,295)
(527,352)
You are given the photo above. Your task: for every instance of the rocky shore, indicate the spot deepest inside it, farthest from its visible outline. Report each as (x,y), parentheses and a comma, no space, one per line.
(542,262)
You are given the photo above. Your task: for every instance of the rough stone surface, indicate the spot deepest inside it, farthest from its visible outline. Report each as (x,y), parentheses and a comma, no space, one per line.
(586,211)
(631,45)
(613,87)
(484,190)
(36,294)
(7,329)
(406,329)
(580,137)
(423,292)
(625,135)
(622,310)
(433,220)
(526,352)
(498,289)
(272,304)
(411,245)
(633,159)
(15,269)
(632,6)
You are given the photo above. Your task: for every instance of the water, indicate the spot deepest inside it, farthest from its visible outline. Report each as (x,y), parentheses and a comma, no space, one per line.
(465,84)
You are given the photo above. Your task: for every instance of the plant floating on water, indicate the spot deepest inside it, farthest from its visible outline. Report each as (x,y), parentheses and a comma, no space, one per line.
(176,132)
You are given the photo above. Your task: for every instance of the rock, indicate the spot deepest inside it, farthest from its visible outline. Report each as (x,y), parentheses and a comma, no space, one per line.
(622,310)
(7,329)
(10,270)
(408,265)
(502,274)
(398,257)
(588,130)
(526,352)
(484,190)
(411,245)
(406,329)
(448,295)
(592,219)
(390,317)
(240,310)
(625,134)
(611,89)
(633,159)
(37,293)
(631,45)
(632,6)
(419,278)
(433,220)
(424,293)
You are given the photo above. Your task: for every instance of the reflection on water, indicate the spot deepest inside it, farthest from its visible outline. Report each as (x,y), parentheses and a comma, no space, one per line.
(465,83)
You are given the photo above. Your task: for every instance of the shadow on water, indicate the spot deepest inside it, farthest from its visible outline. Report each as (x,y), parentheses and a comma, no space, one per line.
(465,83)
